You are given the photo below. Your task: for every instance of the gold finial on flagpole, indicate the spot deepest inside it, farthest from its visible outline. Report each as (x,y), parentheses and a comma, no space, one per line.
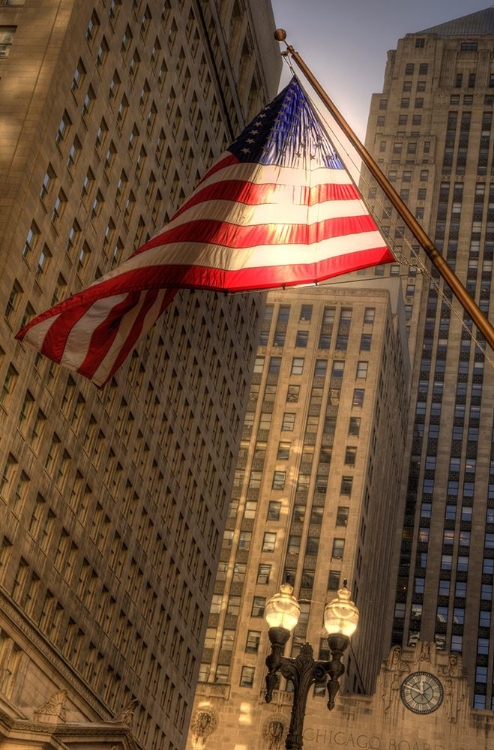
(280,35)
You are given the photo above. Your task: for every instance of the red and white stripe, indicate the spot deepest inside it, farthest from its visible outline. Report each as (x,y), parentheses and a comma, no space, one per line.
(245,227)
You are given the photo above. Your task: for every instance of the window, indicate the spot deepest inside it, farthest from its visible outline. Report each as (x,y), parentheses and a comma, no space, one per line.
(13,301)
(239,571)
(338,369)
(222,673)
(369,315)
(346,485)
(32,239)
(88,184)
(43,261)
(247,676)
(258,604)
(6,39)
(253,641)
(288,422)
(362,369)
(233,607)
(365,342)
(88,102)
(255,479)
(279,338)
(102,53)
(259,365)
(324,341)
(293,394)
(456,643)
(216,604)
(269,542)
(294,544)
(244,539)
(350,455)
(338,549)
(63,128)
(283,451)
(47,183)
(334,580)
(250,509)
(114,85)
(297,365)
(210,638)
(341,342)
(358,397)
(302,339)
(283,314)
(312,546)
(320,368)
(279,478)
(74,153)
(263,572)
(354,426)
(92,28)
(227,639)
(274,365)
(274,510)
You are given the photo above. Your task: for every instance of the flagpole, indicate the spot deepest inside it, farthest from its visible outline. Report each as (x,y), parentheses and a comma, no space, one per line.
(466,301)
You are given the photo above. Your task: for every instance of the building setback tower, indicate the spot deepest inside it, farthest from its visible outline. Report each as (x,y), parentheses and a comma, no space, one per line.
(315,495)
(431,131)
(113,502)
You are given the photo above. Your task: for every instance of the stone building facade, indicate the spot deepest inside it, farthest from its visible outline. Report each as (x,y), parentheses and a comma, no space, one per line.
(316,491)
(436,715)
(113,502)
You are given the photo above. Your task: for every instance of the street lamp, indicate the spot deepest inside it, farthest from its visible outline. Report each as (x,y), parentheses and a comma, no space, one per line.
(282,613)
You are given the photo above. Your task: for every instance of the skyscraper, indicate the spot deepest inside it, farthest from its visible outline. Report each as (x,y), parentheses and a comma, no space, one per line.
(431,131)
(315,495)
(113,502)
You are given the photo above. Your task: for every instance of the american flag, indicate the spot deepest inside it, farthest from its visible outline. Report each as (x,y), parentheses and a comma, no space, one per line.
(277,209)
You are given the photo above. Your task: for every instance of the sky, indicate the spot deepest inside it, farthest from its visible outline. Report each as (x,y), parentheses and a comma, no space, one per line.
(345,42)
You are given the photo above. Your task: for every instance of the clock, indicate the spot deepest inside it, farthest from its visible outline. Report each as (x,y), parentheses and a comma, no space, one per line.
(421,692)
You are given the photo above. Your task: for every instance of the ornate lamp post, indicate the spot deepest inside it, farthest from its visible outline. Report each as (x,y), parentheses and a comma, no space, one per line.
(282,613)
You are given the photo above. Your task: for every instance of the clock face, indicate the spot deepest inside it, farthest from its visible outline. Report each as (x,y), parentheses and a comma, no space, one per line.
(421,692)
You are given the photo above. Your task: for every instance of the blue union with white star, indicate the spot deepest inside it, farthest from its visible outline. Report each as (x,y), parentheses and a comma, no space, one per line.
(286,133)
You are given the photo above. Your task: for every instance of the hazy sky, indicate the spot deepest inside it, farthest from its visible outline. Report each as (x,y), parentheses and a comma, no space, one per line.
(345,42)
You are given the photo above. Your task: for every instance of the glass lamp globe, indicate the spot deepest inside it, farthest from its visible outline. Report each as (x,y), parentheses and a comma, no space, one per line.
(341,615)
(282,610)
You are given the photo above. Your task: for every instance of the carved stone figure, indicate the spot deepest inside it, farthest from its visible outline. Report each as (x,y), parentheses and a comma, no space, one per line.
(54,709)
(126,715)
(273,731)
(395,667)
(204,723)
(454,687)
(423,651)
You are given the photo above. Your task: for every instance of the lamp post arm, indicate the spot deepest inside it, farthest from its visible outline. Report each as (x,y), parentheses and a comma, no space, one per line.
(302,671)
(278,638)
(337,644)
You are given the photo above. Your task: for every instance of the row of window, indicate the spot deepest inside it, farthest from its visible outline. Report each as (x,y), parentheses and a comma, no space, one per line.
(306,312)
(298,363)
